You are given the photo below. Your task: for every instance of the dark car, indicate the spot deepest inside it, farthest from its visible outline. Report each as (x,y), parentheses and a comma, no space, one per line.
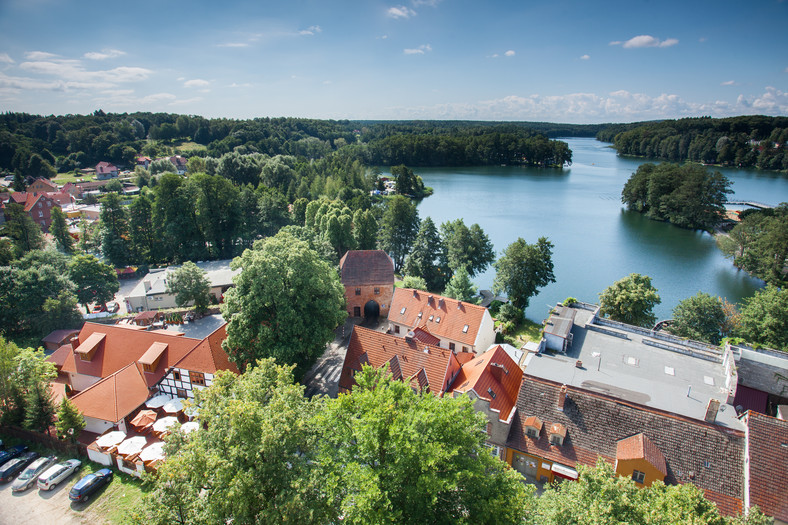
(15,466)
(11,453)
(89,484)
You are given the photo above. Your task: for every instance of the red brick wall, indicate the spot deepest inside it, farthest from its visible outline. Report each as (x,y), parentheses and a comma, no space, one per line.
(368,293)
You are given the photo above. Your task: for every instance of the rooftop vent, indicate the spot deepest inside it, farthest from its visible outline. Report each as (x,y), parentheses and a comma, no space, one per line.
(711,410)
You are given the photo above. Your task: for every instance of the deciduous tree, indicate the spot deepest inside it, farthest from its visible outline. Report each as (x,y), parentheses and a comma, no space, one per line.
(365,229)
(460,286)
(189,284)
(22,230)
(522,269)
(95,281)
(114,223)
(630,300)
(764,318)
(59,230)
(285,304)
(700,317)
(398,229)
(468,247)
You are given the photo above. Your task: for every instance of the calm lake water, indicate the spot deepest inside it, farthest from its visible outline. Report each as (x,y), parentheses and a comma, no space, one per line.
(596,241)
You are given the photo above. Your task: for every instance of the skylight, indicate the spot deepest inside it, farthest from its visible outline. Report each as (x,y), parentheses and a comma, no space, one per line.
(465,329)
(403,310)
(438,319)
(432,317)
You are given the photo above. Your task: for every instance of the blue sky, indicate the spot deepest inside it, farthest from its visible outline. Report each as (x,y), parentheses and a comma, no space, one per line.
(558,61)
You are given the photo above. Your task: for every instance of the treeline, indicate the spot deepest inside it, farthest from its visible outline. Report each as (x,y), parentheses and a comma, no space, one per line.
(747,141)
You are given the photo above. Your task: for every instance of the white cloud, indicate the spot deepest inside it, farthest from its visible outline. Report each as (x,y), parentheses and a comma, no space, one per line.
(618,106)
(233,44)
(645,41)
(196,82)
(185,101)
(244,85)
(105,54)
(39,55)
(585,57)
(311,30)
(509,53)
(5,59)
(71,74)
(157,97)
(728,83)
(400,11)
(430,3)
(422,49)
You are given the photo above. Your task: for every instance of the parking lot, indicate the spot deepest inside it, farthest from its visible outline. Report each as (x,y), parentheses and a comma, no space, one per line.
(34,507)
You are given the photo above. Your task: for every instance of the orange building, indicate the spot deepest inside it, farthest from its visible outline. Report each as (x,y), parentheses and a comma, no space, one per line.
(368,278)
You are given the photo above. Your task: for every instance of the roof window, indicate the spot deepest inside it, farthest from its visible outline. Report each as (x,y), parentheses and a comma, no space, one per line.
(403,310)
(438,319)
(421,314)
(432,317)
(465,329)
(491,392)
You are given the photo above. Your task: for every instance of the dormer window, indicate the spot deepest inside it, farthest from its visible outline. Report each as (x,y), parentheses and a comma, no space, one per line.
(557,433)
(531,432)
(533,427)
(465,329)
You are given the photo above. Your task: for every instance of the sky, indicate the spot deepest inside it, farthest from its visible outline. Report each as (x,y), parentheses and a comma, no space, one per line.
(555,60)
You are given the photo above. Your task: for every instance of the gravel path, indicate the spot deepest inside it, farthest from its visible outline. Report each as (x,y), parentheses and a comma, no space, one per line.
(34,507)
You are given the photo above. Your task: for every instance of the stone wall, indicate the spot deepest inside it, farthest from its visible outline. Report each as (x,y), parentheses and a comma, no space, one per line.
(368,294)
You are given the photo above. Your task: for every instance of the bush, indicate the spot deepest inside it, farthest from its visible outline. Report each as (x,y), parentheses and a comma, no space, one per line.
(569,301)
(509,313)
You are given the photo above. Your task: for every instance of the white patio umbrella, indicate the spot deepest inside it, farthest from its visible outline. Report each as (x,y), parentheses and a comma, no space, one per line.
(192,411)
(164,423)
(153,452)
(173,406)
(158,401)
(132,446)
(111,438)
(191,426)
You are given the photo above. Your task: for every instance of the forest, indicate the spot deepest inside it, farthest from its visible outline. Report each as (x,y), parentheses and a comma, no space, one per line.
(744,142)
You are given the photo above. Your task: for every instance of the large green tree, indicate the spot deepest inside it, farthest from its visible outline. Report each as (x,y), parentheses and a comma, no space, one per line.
(95,281)
(460,286)
(630,300)
(176,220)
(522,269)
(399,226)
(700,317)
(217,212)
(22,371)
(114,230)
(286,303)
(468,247)
(189,284)
(365,229)
(764,318)
(22,230)
(251,464)
(391,455)
(142,233)
(428,258)
(70,421)
(59,230)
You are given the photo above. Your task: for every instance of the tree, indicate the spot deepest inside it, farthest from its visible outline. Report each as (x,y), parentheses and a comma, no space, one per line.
(630,300)
(142,234)
(23,231)
(460,286)
(365,229)
(285,304)
(468,247)
(189,284)
(69,420)
(428,259)
(408,183)
(161,166)
(700,317)
(95,281)
(252,464)
(39,409)
(391,455)
(398,229)
(114,230)
(522,269)
(21,370)
(764,318)
(412,281)
(59,230)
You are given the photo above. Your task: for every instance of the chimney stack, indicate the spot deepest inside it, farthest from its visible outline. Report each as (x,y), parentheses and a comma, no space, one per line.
(711,410)
(562,398)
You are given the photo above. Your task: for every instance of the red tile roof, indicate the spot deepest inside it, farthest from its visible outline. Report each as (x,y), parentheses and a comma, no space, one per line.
(449,316)
(408,360)
(768,447)
(115,396)
(366,267)
(422,335)
(209,357)
(493,376)
(641,447)
(60,336)
(59,356)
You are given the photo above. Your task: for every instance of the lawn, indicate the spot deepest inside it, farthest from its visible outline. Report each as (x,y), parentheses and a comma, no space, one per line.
(188,147)
(525,332)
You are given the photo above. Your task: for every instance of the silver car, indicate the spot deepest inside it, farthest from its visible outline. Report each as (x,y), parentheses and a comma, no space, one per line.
(31,473)
(57,473)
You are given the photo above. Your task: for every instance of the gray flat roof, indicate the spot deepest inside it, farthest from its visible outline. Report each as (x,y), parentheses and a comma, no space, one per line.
(630,370)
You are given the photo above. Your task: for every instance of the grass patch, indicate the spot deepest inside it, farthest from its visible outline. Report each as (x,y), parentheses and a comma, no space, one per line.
(63,178)
(187,147)
(525,332)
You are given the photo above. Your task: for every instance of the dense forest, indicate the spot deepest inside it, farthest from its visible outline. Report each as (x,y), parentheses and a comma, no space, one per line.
(747,141)
(35,145)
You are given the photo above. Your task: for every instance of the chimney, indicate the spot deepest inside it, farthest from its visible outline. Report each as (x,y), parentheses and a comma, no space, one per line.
(409,336)
(496,371)
(440,302)
(711,410)
(415,293)
(561,398)
(430,299)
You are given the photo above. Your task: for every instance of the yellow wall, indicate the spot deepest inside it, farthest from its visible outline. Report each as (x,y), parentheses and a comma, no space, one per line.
(625,468)
(511,455)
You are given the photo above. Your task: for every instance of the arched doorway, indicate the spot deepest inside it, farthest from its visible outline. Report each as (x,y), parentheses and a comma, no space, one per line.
(371,310)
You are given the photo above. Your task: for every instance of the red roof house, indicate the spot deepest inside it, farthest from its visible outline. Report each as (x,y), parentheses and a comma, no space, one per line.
(368,278)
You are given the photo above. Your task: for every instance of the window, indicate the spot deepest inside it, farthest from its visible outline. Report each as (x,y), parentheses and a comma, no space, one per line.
(176,375)
(451,347)
(531,432)
(49,203)
(438,319)
(638,477)
(464,348)
(377,291)
(356,311)
(358,291)
(465,329)
(491,392)
(396,329)
(421,314)
(41,214)
(40,205)
(180,392)
(197,378)
(432,317)
(556,439)
(402,312)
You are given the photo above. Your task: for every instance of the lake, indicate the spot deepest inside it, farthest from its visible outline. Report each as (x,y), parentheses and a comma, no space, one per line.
(596,240)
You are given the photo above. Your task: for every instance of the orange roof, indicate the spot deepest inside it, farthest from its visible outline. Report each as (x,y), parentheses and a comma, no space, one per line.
(57,392)
(493,376)
(410,361)
(152,354)
(640,447)
(59,356)
(114,397)
(208,357)
(423,335)
(441,316)
(534,422)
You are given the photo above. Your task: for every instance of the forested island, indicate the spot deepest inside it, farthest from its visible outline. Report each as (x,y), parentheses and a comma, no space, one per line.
(747,141)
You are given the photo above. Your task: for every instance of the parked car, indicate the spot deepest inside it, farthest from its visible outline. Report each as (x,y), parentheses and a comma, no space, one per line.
(57,473)
(11,453)
(89,484)
(30,475)
(15,466)
(113,307)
